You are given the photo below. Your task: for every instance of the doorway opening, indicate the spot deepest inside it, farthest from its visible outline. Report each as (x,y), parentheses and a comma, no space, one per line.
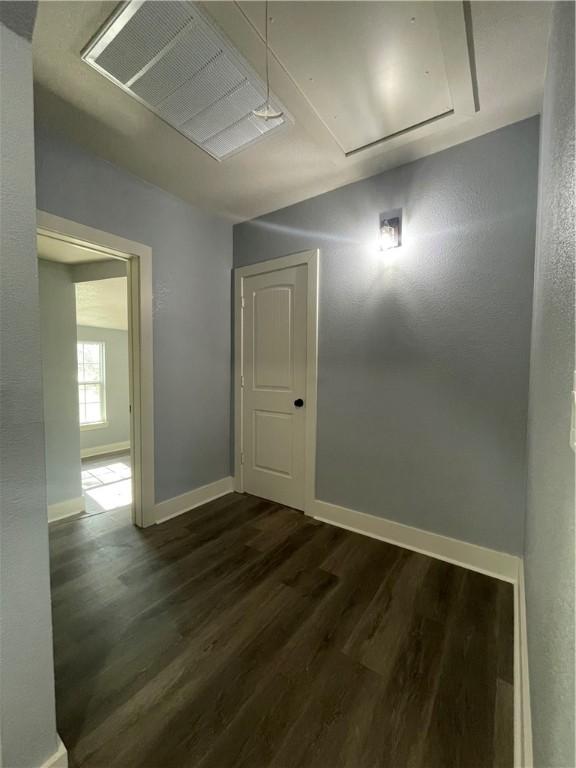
(95,303)
(104,386)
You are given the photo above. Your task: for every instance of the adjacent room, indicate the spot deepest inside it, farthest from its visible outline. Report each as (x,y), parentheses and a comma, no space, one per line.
(104,391)
(86,380)
(288,399)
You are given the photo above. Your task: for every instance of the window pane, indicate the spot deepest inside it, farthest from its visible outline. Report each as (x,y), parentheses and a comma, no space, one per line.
(91,382)
(92,353)
(93,413)
(89,372)
(92,393)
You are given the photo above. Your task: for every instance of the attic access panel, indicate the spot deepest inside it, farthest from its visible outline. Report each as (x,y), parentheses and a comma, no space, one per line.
(374,70)
(170,56)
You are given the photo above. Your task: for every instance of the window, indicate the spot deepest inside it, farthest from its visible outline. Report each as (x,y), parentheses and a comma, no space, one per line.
(91,392)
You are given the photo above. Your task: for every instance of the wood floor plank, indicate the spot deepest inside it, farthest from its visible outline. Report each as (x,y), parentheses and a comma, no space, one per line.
(244,634)
(505,631)
(381,725)
(503,715)
(207,695)
(461,728)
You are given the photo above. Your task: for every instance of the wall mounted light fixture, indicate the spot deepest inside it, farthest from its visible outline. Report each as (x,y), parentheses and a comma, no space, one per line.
(390,230)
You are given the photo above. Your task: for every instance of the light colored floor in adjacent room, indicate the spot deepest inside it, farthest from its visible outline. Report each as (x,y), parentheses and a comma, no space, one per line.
(107,483)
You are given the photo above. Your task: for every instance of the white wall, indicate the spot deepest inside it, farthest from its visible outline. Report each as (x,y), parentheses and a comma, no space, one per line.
(117,429)
(27,711)
(60,376)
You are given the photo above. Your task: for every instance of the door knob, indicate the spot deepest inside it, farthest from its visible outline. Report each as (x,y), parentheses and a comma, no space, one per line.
(299,402)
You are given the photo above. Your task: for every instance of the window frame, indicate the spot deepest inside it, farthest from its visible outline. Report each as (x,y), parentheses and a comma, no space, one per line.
(101,383)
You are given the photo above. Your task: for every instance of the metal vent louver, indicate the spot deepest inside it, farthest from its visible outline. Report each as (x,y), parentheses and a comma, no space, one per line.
(169,55)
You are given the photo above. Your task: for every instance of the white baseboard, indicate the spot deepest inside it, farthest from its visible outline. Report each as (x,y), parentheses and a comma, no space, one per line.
(523,757)
(165,510)
(101,450)
(489,561)
(64,509)
(59,759)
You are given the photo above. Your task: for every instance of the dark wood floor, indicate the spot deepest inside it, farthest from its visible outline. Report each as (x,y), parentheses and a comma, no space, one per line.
(244,634)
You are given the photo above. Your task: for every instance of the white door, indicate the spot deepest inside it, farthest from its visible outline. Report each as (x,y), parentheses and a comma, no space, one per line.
(274,340)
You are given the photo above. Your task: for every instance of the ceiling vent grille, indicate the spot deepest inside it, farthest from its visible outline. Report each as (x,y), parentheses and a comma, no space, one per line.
(170,56)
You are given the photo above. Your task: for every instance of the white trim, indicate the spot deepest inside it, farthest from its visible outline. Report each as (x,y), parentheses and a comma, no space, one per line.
(94,425)
(312,260)
(312,378)
(166,510)
(102,450)
(489,561)
(456,53)
(523,757)
(59,759)
(64,509)
(238,364)
(138,258)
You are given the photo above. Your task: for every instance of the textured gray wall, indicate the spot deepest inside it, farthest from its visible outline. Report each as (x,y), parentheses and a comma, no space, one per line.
(19,16)
(27,712)
(549,556)
(60,381)
(192,257)
(423,366)
(117,389)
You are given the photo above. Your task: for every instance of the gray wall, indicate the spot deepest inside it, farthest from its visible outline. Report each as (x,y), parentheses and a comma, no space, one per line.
(423,366)
(549,556)
(27,712)
(192,255)
(117,388)
(60,377)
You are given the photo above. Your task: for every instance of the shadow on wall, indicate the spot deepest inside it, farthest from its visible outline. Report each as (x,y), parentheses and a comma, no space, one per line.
(82,125)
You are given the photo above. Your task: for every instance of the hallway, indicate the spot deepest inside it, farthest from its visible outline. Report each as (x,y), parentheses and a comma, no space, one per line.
(245,634)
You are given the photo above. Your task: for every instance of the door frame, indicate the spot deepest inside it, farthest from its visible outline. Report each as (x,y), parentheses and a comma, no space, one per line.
(138,259)
(311,259)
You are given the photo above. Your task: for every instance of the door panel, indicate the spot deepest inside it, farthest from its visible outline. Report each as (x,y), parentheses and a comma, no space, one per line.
(273,338)
(274,366)
(273,442)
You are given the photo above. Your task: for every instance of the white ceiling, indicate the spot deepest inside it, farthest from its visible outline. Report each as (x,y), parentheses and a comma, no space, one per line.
(350,73)
(103,303)
(368,71)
